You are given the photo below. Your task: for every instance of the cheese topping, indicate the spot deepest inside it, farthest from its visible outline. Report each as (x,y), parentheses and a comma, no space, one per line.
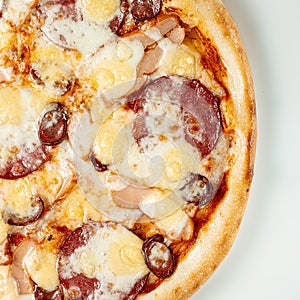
(113,256)
(78,61)
(102,10)
(20,109)
(41,267)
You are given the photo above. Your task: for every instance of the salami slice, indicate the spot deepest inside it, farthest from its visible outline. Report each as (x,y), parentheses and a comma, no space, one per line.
(131,13)
(102,259)
(145,9)
(199,111)
(24,162)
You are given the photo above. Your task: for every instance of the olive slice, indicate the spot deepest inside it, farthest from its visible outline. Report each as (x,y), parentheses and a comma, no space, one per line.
(41,294)
(158,257)
(198,190)
(37,208)
(98,165)
(53,124)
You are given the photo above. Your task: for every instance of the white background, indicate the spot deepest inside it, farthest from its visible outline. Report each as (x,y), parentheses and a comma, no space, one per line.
(264,262)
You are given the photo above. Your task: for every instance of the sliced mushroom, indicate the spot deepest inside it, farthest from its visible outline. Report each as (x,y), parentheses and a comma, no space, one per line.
(143,38)
(166,25)
(131,196)
(177,35)
(18,271)
(150,62)
(37,208)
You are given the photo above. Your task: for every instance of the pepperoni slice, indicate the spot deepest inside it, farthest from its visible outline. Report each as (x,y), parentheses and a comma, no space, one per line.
(24,162)
(158,256)
(200,115)
(94,257)
(130,15)
(53,124)
(145,9)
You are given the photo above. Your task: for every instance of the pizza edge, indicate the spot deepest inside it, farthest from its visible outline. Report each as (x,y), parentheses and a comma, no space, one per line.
(216,238)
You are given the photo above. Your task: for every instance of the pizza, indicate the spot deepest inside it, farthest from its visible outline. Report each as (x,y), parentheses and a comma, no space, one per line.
(127,151)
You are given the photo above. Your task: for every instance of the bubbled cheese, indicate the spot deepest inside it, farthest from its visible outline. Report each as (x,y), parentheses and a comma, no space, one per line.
(99,10)
(178,60)
(41,266)
(112,70)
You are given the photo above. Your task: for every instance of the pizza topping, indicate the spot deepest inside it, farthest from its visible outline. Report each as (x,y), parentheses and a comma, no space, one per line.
(166,25)
(158,256)
(200,114)
(150,61)
(22,165)
(37,208)
(51,67)
(41,267)
(145,9)
(198,190)
(21,151)
(112,70)
(80,25)
(102,259)
(53,124)
(98,165)
(177,35)
(41,294)
(18,271)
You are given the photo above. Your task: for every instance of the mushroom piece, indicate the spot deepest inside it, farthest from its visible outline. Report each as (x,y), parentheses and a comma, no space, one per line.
(131,196)
(177,35)
(18,271)
(37,208)
(166,25)
(150,62)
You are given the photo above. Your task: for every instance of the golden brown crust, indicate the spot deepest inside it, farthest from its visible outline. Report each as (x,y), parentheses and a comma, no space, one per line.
(216,237)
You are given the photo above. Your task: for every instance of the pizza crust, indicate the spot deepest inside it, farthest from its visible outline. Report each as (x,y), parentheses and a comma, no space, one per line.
(217,236)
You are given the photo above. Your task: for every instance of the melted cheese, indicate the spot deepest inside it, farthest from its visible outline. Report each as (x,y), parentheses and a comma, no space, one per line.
(41,267)
(107,258)
(71,215)
(82,35)
(178,60)
(111,136)
(99,10)
(159,205)
(177,226)
(20,109)
(112,70)
(53,66)
(57,178)
(8,287)
(3,231)
(16,11)
(16,196)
